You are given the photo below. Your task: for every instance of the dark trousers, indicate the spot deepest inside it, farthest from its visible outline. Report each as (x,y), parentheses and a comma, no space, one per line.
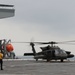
(1,62)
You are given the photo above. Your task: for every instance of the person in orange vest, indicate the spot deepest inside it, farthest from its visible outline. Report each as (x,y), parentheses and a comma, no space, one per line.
(1,60)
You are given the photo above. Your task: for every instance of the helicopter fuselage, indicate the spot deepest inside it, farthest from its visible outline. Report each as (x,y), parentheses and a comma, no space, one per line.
(50,53)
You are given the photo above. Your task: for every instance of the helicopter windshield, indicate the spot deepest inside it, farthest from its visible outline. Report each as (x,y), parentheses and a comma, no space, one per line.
(59,51)
(63,51)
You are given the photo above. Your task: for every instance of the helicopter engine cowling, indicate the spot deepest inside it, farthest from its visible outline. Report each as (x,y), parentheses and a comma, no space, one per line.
(68,52)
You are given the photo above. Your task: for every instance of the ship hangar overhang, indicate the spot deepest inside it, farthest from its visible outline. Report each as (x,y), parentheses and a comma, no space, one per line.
(6,11)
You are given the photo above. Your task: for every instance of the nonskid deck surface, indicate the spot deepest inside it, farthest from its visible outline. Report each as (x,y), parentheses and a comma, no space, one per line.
(31,67)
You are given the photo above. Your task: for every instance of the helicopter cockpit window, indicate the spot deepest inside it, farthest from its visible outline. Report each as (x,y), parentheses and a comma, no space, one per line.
(56,51)
(63,51)
(60,51)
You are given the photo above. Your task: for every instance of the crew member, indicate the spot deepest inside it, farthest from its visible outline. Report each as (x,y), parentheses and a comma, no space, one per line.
(1,60)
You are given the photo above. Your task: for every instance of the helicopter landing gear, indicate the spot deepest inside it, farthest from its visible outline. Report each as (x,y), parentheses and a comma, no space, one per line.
(36,59)
(61,60)
(48,60)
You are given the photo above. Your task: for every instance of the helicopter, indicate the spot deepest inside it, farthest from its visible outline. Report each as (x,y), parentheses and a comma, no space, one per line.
(50,52)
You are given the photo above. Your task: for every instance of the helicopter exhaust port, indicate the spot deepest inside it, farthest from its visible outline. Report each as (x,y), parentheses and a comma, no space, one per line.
(68,52)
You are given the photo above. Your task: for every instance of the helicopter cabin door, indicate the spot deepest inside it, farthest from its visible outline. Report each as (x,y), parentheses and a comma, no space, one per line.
(53,53)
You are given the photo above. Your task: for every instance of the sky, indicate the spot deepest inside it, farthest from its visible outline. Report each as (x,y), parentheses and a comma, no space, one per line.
(39,20)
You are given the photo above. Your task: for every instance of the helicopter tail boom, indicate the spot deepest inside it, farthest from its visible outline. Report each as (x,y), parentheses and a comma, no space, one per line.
(28,54)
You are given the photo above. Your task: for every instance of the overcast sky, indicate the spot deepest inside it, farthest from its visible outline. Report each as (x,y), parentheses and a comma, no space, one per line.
(42,20)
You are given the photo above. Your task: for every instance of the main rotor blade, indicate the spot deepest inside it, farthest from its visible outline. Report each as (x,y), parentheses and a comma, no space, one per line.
(67,41)
(46,42)
(64,42)
(38,42)
(52,42)
(20,42)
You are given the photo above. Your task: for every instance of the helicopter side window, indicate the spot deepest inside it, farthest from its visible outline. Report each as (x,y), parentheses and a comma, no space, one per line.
(56,52)
(53,53)
(60,51)
(63,51)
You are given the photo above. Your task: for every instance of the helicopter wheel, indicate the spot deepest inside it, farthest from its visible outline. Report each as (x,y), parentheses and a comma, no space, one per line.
(61,60)
(36,59)
(48,60)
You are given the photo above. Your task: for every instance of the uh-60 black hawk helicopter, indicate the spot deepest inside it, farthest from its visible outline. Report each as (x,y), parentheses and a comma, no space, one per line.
(50,52)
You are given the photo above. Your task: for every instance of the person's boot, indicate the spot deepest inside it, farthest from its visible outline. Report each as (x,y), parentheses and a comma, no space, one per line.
(1,69)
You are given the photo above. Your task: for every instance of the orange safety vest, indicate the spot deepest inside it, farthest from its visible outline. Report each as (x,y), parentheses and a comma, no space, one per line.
(1,56)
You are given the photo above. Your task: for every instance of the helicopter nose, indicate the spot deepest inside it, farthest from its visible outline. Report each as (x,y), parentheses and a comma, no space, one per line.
(70,56)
